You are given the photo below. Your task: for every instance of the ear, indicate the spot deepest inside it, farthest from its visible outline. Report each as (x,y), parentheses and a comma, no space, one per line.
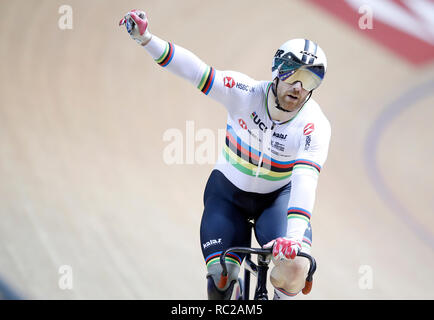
(274,86)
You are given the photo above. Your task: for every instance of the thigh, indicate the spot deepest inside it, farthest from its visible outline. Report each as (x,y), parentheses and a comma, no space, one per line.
(223,225)
(272,223)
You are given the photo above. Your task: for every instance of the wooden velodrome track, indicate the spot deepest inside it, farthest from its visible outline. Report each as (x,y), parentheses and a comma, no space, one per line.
(82,178)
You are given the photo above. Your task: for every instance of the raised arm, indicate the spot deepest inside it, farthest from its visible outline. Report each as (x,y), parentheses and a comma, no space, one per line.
(184,63)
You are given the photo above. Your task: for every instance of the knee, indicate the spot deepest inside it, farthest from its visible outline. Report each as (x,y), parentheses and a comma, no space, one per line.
(215,271)
(217,291)
(290,275)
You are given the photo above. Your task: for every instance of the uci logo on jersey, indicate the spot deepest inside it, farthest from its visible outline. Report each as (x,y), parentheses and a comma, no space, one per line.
(258,121)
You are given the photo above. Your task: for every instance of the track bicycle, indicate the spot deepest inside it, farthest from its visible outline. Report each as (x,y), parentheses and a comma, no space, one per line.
(259,270)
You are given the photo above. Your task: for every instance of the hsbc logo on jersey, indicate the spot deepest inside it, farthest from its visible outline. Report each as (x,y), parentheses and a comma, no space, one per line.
(308,129)
(229,82)
(242,123)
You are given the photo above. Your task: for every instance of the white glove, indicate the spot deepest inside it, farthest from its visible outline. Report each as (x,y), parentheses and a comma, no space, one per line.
(136,23)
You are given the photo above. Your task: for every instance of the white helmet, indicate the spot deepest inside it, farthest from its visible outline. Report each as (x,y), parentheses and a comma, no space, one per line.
(300,60)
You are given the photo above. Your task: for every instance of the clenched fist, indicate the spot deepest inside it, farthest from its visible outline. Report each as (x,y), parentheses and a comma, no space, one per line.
(136,23)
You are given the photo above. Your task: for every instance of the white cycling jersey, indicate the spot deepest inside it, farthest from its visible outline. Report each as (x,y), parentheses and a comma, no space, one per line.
(260,155)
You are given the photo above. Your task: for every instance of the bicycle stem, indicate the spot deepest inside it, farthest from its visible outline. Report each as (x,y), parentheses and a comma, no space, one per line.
(224,274)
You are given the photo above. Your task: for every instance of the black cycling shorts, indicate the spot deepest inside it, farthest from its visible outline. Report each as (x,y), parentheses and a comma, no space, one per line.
(228,212)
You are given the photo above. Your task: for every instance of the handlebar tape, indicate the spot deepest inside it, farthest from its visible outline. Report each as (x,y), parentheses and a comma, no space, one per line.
(222,282)
(307,287)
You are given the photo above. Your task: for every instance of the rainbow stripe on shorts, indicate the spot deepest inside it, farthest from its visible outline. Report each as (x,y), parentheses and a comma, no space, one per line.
(215,258)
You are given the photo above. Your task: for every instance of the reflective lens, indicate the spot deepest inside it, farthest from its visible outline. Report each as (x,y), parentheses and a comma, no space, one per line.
(291,69)
(308,79)
(286,65)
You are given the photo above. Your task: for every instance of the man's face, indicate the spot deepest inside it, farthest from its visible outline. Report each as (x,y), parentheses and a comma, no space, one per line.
(291,96)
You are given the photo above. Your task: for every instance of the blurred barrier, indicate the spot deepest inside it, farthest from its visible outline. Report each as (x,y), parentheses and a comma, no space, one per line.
(405,28)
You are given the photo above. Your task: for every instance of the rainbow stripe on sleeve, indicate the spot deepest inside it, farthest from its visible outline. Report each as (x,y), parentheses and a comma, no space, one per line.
(307,243)
(207,80)
(299,213)
(307,164)
(167,55)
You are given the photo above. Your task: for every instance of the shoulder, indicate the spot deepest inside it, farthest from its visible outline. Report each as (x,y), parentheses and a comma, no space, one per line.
(312,118)
(314,131)
(313,128)
(239,82)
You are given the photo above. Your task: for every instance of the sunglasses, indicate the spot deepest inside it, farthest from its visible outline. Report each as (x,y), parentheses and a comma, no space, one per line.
(291,71)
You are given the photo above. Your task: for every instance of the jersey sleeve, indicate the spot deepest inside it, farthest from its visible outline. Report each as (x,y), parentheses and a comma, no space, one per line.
(219,85)
(312,153)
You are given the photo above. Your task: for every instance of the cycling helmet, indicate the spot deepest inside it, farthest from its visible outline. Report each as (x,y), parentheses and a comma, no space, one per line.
(300,60)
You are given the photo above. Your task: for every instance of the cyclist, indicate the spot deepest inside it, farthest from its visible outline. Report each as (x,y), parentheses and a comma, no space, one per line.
(277,141)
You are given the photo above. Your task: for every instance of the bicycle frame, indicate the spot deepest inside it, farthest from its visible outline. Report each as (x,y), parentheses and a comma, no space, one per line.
(260,271)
